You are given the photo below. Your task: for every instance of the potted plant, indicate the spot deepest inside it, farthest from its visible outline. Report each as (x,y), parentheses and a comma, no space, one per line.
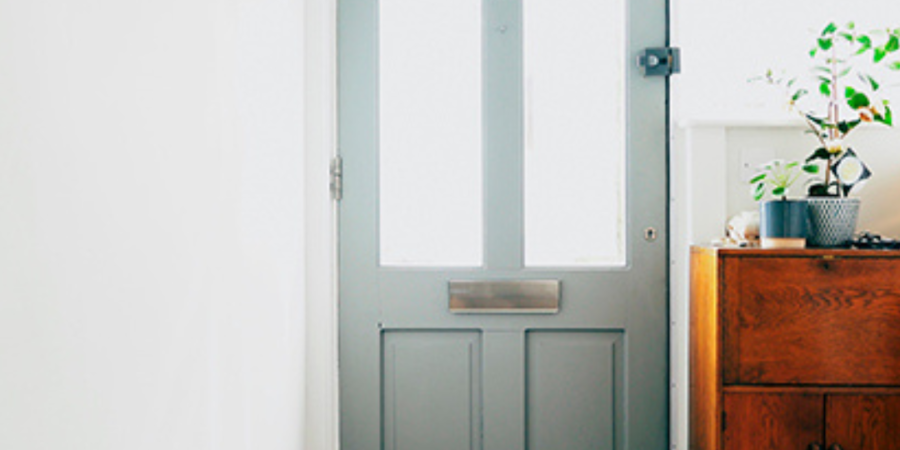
(783,222)
(845,93)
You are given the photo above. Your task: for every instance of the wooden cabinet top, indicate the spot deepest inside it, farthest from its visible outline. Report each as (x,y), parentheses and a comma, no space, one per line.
(801,253)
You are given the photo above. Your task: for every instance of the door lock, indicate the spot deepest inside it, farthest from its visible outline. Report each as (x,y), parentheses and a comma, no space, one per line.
(650,234)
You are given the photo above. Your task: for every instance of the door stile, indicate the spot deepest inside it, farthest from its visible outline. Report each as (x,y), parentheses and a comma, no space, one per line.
(503,135)
(359,363)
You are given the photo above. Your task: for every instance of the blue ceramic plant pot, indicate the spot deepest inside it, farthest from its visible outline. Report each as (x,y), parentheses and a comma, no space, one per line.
(783,224)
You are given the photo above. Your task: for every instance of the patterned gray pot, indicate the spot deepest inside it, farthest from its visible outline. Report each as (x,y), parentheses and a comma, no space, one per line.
(832,221)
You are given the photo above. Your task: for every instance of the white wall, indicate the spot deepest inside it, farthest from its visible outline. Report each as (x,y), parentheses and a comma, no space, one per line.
(727,42)
(151,224)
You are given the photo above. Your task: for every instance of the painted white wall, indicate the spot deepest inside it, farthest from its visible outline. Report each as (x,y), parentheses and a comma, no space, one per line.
(722,120)
(151,224)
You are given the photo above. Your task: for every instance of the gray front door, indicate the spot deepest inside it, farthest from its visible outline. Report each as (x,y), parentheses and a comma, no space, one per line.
(486,143)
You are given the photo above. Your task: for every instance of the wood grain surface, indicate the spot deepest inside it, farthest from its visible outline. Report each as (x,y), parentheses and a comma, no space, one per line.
(863,422)
(705,372)
(813,321)
(776,421)
(795,348)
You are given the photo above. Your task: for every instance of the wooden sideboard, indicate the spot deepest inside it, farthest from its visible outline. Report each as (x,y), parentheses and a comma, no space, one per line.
(795,349)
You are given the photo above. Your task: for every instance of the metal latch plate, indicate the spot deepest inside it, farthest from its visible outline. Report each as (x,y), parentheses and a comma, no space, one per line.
(660,61)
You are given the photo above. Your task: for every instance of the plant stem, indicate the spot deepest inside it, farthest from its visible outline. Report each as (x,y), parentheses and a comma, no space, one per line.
(814,129)
(833,113)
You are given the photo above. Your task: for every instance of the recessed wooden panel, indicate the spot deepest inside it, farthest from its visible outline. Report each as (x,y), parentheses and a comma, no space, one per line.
(864,422)
(573,389)
(431,390)
(773,421)
(813,321)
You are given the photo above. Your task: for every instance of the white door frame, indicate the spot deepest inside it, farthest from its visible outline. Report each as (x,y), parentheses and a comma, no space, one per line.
(320,30)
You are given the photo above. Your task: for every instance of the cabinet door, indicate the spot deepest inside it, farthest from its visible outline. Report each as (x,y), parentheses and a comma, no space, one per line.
(864,422)
(812,321)
(777,421)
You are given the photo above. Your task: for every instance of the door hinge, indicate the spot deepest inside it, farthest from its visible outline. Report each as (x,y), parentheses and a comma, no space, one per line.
(660,61)
(724,420)
(337,178)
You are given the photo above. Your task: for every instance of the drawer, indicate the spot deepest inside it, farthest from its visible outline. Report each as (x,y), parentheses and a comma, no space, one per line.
(811,321)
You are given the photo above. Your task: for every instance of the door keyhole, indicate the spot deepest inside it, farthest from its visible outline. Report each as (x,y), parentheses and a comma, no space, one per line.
(650,234)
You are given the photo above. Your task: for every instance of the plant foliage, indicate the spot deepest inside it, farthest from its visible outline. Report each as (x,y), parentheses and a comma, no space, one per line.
(845,93)
(777,177)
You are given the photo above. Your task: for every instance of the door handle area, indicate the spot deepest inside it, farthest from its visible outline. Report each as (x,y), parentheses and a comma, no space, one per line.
(815,446)
(835,447)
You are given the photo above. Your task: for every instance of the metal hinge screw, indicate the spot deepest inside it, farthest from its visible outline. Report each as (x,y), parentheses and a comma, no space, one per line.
(337,178)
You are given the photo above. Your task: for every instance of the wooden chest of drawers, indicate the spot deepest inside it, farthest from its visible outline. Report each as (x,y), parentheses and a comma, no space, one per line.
(795,349)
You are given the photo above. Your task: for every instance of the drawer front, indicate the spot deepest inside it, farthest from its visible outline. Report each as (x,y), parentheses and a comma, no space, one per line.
(772,421)
(811,321)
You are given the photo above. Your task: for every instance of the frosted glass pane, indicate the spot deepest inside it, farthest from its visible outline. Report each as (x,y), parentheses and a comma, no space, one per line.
(574,71)
(430,132)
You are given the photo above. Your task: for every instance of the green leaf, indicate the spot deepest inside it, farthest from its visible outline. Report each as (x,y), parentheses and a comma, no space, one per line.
(812,53)
(811,168)
(816,120)
(894,65)
(825,69)
(847,36)
(758,178)
(791,165)
(880,53)
(824,79)
(849,91)
(887,118)
(829,29)
(846,127)
(845,72)
(759,192)
(874,84)
(851,25)
(858,100)
(819,190)
(778,191)
(893,44)
(820,153)
(826,44)
(825,88)
(864,40)
(799,94)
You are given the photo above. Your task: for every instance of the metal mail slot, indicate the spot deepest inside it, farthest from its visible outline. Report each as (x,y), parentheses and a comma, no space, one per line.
(504,297)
